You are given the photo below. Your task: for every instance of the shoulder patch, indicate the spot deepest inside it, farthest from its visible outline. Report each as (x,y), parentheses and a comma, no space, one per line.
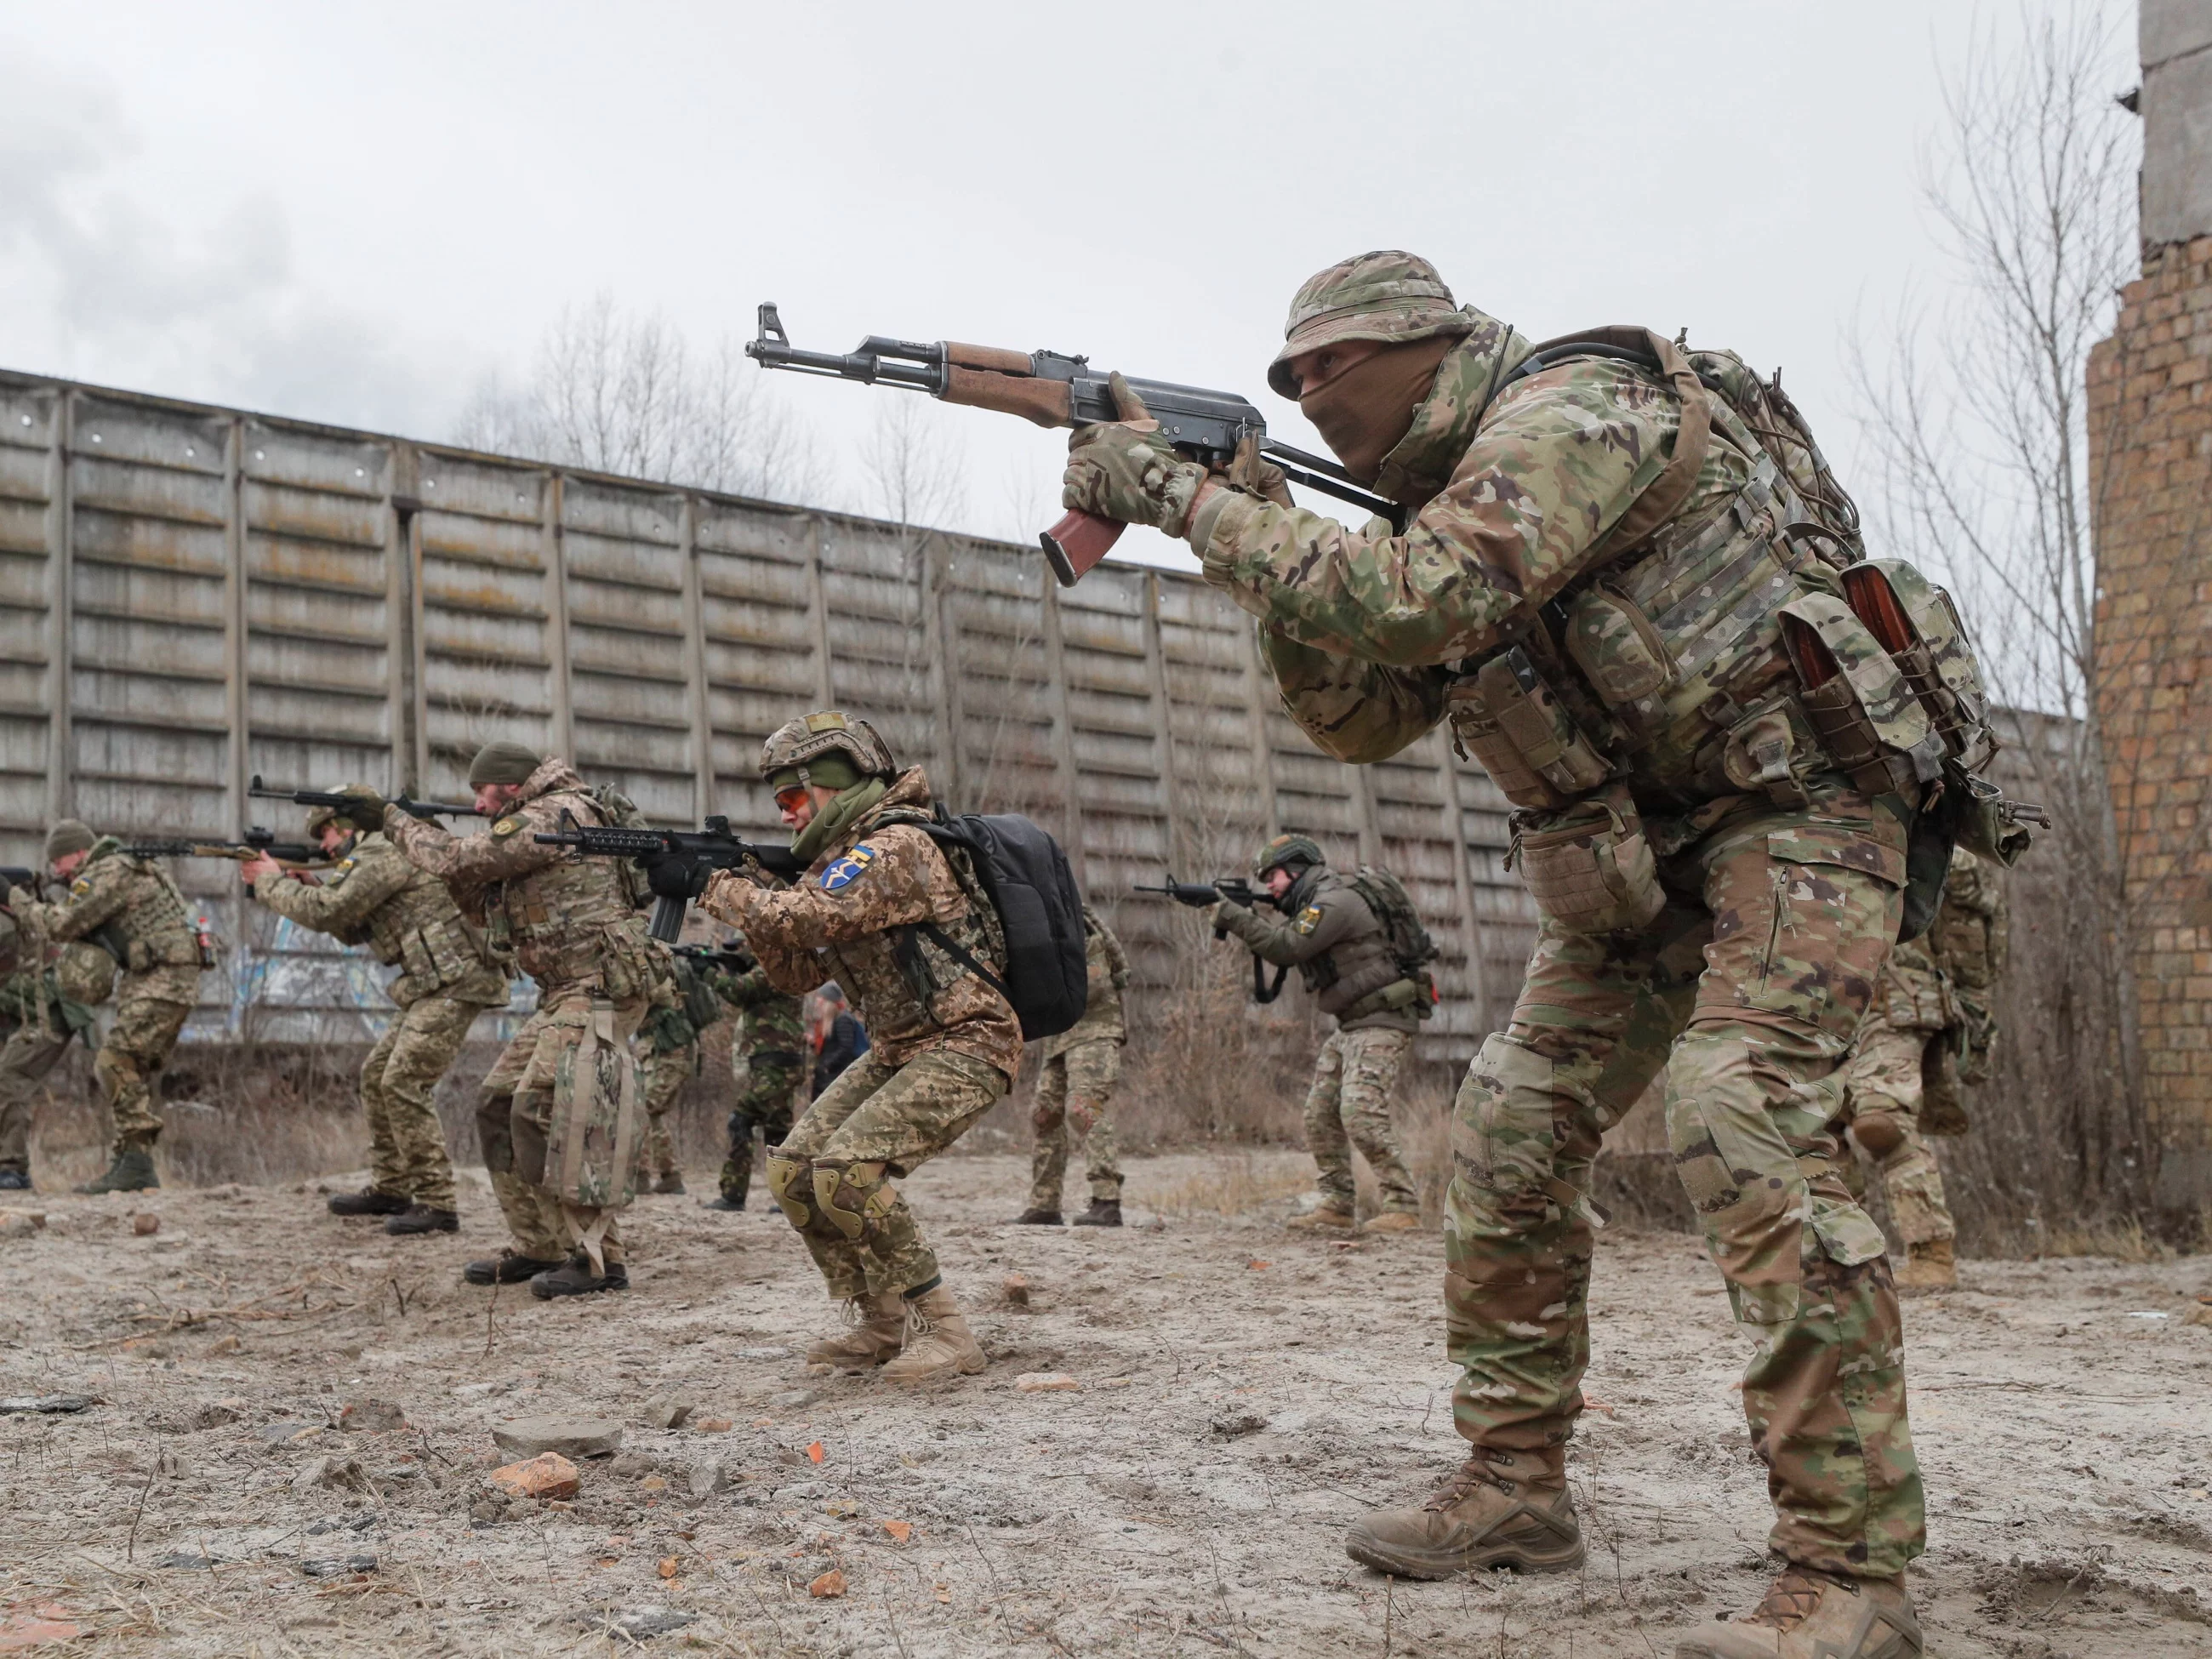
(844,871)
(1309,918)
(507,826)
(81,886)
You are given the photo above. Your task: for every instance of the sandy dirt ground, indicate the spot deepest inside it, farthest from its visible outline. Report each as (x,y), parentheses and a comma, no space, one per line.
(1244,1393)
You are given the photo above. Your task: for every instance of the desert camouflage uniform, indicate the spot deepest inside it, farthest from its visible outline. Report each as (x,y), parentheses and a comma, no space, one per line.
(1343,953)
(945,1045)
(129,908)
(767,1064)
(373,896)
(1081,1065)
(571,927)
(1900,1085)
(1746,987)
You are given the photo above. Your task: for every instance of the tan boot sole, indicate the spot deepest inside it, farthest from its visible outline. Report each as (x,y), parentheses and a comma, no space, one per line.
(1404,1561)
(1335,1221)
(966,1365)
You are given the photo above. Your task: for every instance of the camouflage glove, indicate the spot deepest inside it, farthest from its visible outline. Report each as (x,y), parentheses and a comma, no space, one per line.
(364,807)
(1127,471)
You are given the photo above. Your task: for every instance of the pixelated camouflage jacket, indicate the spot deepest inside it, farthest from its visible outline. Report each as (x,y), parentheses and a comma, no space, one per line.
(406,916)
(1336,942)
(130,909)
(1965,949)
(856,915)
(1106,976)
(771,1025)
(565,919)
(1511,504)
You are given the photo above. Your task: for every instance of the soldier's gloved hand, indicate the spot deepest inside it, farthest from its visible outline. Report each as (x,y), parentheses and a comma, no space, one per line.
(675,875)
(1252,472)
(1221,912)
(1125,469)
(364,807)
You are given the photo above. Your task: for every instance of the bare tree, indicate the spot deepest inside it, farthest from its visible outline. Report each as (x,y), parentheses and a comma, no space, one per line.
(1977,409)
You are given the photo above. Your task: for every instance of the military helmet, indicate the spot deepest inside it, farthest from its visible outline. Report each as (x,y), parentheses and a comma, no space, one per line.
(319,816)
(1384,295)
(795,742)
(1287,850)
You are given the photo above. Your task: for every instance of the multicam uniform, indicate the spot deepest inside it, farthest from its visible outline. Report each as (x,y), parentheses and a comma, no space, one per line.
(42,1007)
(131,909)
(1931,1027)
(374,897)
(767,1064)
(1343,953)
(670,1039)
(571,927)
(1081,1066)
(945,1046)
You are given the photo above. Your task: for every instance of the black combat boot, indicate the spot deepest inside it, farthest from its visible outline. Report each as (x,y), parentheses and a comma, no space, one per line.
(575,1277)
(1102,1212)
(505,1268)
(13,1180)
(417,1219)
(672,1182)
(368,1201)
(1036,1218)
(725,1202)
(132,1171)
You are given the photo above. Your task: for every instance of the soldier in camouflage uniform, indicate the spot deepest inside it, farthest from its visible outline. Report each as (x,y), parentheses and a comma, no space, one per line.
(767,1064)
(670,1040)
(129,907)
(1715,825)
(884,910)
(1932,1026)
(1340,948)
(372,896)
(41,1008)
(558,1112)
(1075,1088)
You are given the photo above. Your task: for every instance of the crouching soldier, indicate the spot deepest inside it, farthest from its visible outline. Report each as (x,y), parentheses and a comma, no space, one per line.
(883,908)
(373,896)
(559,1112)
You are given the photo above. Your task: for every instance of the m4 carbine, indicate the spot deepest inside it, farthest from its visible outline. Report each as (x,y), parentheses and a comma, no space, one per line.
(257,843)
(677,862)
(1203,895)
(1054,389)
(338,801)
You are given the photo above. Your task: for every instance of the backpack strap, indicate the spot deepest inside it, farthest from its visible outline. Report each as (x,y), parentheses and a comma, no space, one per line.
(959,953)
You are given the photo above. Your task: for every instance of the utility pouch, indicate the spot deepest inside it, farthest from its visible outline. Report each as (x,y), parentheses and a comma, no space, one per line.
(1589,867)
(1542,735)
(1772,750)
(1617,649)
(1916,621)
(1868,720)
(1475,733)
(594,1131)
(84,974)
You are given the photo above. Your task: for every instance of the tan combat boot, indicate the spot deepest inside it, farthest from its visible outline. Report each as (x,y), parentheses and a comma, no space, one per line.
(875,1330)
(1806,1615)
(1928,1267)
(1502,1509)
(1395,1221)
(1326,1218)
(939,1343)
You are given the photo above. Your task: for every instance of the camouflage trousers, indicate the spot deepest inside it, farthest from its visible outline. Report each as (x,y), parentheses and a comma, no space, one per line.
(130,1060)
(832,1175)
(514,1117)
(399,1096)
(768,1093)
(1882,1108)
(1076,1084)
(1348,1106)
(666,1071)
(1748,998)
(31,1052)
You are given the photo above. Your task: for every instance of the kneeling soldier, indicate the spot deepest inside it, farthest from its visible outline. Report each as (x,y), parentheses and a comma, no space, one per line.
(373,896)
(891,915)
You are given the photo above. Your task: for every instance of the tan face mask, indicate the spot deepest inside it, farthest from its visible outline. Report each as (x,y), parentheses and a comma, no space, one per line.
(1361,412)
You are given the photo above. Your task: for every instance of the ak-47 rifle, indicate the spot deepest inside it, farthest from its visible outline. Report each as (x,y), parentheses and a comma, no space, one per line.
(338,800)
(675,862)
(256,844)
(1054,389)
(1203,895)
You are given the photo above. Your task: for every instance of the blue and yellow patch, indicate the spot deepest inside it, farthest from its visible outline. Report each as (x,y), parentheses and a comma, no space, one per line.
(1309,918)
(844,871)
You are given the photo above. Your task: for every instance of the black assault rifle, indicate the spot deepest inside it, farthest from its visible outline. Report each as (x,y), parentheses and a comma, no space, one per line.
(1054,389)
(731,958)
(256,844)
(19,875)
(338,801)
(1201,895)
(675,862)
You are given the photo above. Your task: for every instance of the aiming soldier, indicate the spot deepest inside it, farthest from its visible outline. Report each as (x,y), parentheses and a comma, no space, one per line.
(558,1113)
(767,1064)
(129,907)
(407,917)
(1716,814)
(909,937)
(1932,1027)
(1076,1088)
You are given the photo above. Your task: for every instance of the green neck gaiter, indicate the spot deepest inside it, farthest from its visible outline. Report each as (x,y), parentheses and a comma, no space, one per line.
(835,819)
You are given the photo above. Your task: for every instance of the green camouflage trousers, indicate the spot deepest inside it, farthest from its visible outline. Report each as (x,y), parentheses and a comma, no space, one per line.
(399,1096)
(1348,1106)
(31,1052)
(768,1093)
(1881,1106)
(514,1114)
(130,1061)
(832,1175)
(1077,1083)
(1749,1000)
(666,1071)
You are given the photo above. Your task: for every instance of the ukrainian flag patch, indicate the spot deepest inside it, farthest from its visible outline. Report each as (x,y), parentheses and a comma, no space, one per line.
(1309,918)
(847,870)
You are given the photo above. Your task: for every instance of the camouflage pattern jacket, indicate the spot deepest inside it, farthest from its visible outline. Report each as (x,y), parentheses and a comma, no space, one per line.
(564,918)
(1337,944)
(1107,977)
(771,1025)
(857,916)
(131,909)
(406,917)
(1944,979)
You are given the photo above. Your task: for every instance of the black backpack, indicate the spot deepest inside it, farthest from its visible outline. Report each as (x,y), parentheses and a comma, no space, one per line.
(1025,877)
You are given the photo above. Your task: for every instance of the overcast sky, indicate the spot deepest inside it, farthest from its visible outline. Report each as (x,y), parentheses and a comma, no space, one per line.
(357,213)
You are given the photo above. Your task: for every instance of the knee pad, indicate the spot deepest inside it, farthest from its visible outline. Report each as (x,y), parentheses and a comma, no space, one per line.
(526,1137)
(851,1197)
(791,1184)
(740,1128)
(1880,1133)
(492,1134)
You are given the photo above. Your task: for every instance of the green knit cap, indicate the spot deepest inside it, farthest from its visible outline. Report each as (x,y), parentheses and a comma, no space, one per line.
(503,762)
(68,835)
